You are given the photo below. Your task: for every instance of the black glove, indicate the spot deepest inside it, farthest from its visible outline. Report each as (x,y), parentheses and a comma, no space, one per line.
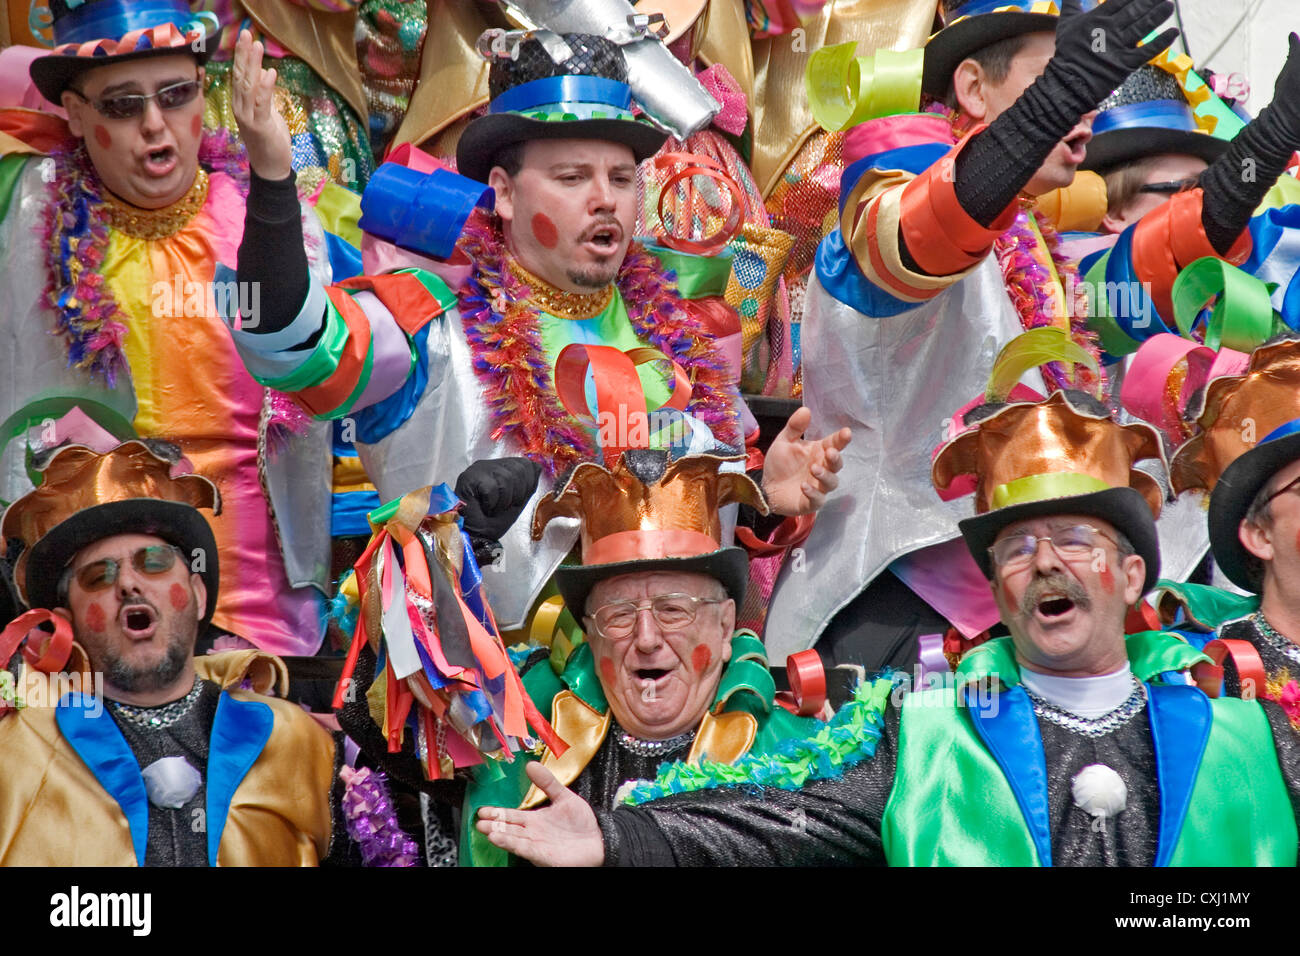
(1095,52)
(494,491)
(1236,182)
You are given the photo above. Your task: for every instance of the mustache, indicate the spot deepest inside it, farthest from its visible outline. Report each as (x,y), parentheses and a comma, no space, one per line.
(600,225)
(1058,583)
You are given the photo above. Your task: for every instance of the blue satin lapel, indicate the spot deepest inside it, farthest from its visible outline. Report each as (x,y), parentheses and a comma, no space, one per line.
(1180,727)
(1010,730)
(240,731)
(91,732)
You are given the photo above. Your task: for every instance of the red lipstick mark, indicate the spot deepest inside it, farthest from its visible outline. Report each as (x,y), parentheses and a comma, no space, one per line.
(607,670)
(1107,580)
(179,597)
(701,658)
(544,231)
(196,125)
(96,618)
(102,137)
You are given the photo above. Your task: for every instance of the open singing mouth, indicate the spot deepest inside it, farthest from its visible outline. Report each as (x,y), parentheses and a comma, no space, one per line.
(138,620)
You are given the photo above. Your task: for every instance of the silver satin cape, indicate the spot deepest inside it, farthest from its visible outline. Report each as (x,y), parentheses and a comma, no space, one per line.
(895,381)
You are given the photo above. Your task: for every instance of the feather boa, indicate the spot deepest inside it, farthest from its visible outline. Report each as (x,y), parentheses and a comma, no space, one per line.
(76,235)
(516,374)
(829,749)
(1031,287)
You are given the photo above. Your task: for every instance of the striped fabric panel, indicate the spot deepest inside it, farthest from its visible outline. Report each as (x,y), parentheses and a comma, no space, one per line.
(333,396)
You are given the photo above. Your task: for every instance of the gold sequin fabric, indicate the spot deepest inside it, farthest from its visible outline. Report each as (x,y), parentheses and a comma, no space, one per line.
(323,129)
(390,38)
(557,302)
(156,223)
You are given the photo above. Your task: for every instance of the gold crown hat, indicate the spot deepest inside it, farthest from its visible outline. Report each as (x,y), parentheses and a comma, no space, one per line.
(85,496)
(1032,459)
(1250,428)
(649,514)
(971,25)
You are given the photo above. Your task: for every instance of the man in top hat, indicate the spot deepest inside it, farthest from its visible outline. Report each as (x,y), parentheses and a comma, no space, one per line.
(1247,457)
(111,249)
(662,674)
(940,259)
(434,378)
(1063,744)
(128,749)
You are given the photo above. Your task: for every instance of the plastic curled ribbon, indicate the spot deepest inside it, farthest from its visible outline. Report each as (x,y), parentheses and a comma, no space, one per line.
(1250,668)
(1031,349)
(51,651)
(694,165)
(845,89)
(1242,317)
(1153,392)
(619,394)
(39,21)
(807,677)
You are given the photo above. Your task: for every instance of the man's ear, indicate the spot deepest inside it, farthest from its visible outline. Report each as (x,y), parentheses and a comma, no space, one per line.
(200,590)
(503,186)
(1113,223)
(72,106)
(1133,568)
(968,87)
(1255,539)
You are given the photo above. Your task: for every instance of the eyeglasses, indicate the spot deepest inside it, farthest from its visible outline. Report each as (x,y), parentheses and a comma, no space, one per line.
(1172,187)
(671,612)
(129,105)
(1289,486)
(152,559)
(1073,543)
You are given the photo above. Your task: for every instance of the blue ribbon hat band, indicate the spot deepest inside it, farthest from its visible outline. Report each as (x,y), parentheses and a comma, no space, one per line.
(569,94)
(115,18)
(1160,114)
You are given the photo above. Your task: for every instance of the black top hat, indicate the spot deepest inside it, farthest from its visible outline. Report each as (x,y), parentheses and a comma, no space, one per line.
(95,33)
(569,87)
(85,497)
(1148,115)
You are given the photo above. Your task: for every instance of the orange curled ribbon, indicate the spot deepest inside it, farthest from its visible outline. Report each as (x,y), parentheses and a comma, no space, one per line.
(695,165)
(618,392)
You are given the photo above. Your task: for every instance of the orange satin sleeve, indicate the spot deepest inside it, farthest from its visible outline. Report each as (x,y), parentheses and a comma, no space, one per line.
(940,235)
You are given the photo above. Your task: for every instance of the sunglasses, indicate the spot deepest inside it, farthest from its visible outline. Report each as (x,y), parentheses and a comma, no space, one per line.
(1172,187)
(152,559)
(130,105)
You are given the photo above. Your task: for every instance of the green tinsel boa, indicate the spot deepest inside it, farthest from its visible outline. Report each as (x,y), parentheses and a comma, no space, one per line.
(831,748)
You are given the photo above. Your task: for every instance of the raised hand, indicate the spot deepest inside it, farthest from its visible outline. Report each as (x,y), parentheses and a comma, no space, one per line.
(495,491)
(261,127)
(1097,50)
(562,834)
(799,473)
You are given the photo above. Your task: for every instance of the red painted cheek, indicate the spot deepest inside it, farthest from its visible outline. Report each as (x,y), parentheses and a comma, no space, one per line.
(1107,580)
(1005,589)
(544,231)
(96,619)
(102,137)
(196,126)
(701,658)
(607,671)
(179,597)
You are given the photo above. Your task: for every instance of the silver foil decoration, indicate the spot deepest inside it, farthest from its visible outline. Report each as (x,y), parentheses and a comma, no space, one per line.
(669,94)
